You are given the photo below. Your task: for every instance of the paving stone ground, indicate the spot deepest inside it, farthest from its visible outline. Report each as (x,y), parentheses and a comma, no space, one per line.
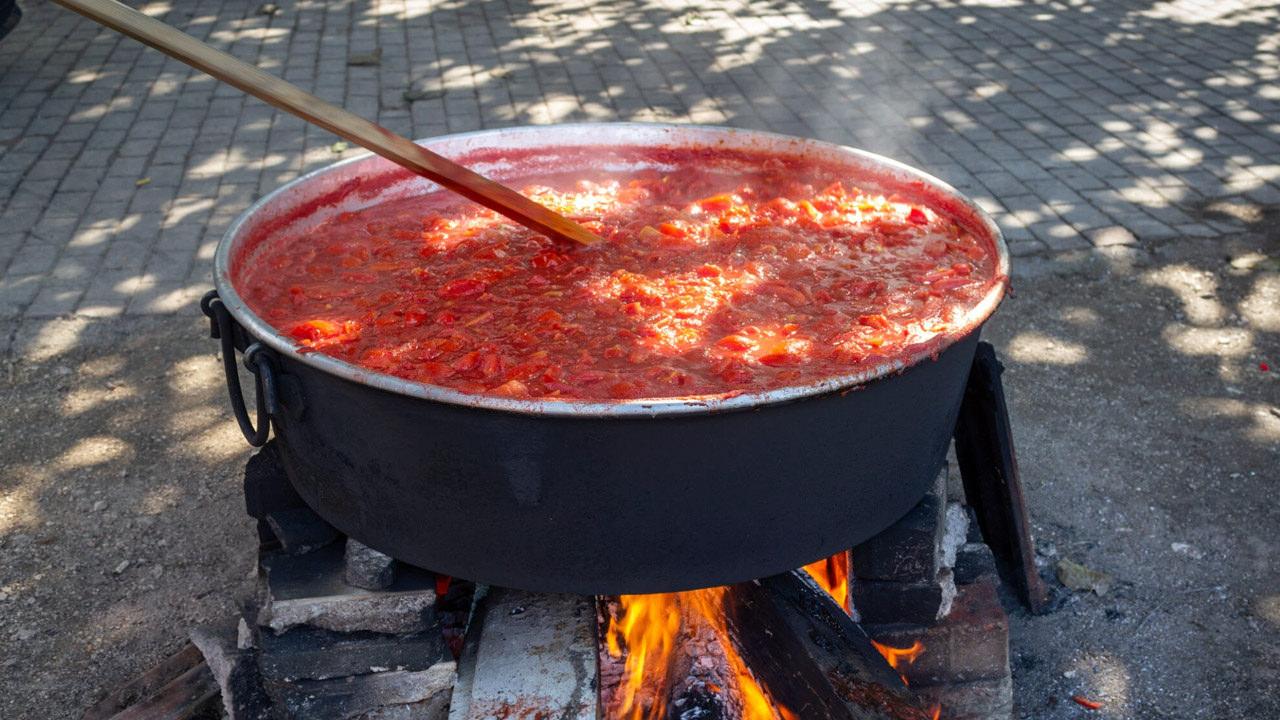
(1078,124)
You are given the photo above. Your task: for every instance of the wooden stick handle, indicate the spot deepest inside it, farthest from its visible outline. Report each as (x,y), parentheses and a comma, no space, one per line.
(293,99)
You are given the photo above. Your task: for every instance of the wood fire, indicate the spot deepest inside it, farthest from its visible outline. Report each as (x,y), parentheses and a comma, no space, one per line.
(751,651)
(679,652)
(832,575)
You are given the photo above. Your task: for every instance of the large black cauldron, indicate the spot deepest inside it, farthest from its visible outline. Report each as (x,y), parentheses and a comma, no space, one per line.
(639,496)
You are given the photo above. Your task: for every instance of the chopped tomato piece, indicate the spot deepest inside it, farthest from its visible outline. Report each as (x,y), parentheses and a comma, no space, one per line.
(735,342)
(672,230)
(716,203)
(512,388)
(314,330)
(876,321)
(462,288)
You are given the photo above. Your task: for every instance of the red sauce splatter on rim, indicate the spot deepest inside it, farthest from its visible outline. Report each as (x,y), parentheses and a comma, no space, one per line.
(711,281)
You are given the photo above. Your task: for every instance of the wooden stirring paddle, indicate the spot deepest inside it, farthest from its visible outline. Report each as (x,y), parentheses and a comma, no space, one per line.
(293,99)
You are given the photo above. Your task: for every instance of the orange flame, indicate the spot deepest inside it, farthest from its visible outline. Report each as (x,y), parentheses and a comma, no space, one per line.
(897,657)
(646,631)
(832,575)
(648,626)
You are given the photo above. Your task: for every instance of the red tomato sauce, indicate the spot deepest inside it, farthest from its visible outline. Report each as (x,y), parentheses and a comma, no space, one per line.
(708,282)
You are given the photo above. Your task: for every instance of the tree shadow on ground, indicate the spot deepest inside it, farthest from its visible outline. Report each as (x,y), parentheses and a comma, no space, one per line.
(1137,397)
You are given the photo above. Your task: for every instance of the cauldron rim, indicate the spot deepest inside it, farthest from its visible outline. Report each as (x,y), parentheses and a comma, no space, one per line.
(639,134)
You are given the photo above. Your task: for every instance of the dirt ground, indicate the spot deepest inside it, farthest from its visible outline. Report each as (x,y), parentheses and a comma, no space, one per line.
(1148,437)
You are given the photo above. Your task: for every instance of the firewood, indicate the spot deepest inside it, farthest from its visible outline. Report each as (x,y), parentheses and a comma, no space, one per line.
(806,655)
(147,684)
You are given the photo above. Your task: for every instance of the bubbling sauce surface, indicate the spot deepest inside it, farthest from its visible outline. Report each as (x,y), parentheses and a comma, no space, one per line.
(711,281)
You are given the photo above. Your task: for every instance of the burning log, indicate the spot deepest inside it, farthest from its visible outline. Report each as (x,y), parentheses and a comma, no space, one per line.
(668,656)
(778,649)
(854,668)
(702,675)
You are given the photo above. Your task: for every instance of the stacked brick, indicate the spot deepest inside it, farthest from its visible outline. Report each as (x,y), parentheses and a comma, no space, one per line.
(341,630)
(927,580)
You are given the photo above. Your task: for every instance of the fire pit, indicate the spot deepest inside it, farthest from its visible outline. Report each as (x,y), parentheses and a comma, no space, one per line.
(838,575)
(907,625)
(594,497)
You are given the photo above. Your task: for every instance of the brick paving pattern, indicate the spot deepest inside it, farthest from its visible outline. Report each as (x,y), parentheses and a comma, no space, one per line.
(1078,124)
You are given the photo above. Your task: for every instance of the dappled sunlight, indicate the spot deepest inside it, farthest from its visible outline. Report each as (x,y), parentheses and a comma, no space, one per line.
(1080,316)
(162,498)
(19,504)
(82,400)
(97,233)
(103,366)
(1223,342)
(198,420)
(172,301)
(94,450)
(1034,347)
(1262,423)
(1267,607)
(100,110)
(1106,678)
(1197,290)
(1220,12)
(182,209)
(191,375)
(116,623)
(218,443)
(54,338)
(1261,307)
(120,490)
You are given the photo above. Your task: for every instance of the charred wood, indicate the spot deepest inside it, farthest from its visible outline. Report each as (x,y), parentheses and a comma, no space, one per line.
(180,686)
(703,686)
(801,651)
(839,649)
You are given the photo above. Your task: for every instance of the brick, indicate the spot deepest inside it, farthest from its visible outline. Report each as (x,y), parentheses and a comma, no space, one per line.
(879,601)
(313,654)
(1113,235)
(971,644)
(367,568)
(125,255)
(52,300)
(420,695)
(499,678)
(299,530)
(309,589)
(975,563)
(977,700)
(16,292)
(33,258)
(234,668)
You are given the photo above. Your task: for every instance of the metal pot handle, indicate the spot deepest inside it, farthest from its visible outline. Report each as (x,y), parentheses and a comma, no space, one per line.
(257,359)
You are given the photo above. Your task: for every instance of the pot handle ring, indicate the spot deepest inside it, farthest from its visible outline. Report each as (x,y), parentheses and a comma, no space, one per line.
(257,359)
